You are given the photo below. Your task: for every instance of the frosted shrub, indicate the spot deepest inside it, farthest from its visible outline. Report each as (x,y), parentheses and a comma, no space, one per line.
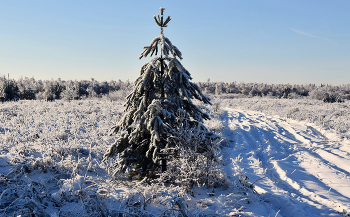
(316,94)
(69,94)
(175,204)
(190,168)
(242,180)
(40,96)
(47,95)
(74,91)
(28,94)
(255,92)
(330,98)
(218,89)
(285,92)
(91,92)
(294,95)
(119,95)
(195,160)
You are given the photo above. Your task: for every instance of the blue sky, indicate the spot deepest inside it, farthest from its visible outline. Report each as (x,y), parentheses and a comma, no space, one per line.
(295,41)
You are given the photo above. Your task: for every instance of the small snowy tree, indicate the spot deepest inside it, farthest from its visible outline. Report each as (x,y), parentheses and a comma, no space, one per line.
(162,95)
(8,90)
(74,91)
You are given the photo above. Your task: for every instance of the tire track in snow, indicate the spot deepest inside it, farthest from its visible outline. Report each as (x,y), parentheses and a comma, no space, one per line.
(339,162)
(305,172)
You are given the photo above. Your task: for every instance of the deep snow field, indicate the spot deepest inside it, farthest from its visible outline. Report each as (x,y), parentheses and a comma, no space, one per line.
(282,157)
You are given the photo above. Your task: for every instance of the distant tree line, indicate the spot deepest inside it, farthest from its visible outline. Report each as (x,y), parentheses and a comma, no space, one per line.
(325,92)
(31,89)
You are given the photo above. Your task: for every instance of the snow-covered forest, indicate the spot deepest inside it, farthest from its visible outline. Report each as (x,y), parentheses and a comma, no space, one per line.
(30,89)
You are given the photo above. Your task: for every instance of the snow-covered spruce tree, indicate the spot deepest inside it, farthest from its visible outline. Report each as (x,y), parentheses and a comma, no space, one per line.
(162,94)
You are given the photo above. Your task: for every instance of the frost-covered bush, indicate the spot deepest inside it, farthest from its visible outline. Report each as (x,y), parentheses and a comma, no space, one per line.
(26,94)
(330,98)
(194,161)
(254,92)
(69,94)
(119,95)
(317,94)
(47,95)
(285,92)
(74,91)
(294,95)
(346,96)
(218,89)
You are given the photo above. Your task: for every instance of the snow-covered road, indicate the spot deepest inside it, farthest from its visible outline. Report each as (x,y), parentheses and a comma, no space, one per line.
(298,169)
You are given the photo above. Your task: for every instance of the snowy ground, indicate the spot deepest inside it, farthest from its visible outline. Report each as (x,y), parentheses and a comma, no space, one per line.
(283,158)
(296,169)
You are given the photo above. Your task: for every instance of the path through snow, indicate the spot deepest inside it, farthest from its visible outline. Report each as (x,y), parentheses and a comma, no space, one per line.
(297,170)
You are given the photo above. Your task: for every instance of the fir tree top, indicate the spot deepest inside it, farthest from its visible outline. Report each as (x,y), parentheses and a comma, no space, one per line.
(165,43)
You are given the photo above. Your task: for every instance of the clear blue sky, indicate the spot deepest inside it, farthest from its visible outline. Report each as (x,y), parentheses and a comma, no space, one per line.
(295,41)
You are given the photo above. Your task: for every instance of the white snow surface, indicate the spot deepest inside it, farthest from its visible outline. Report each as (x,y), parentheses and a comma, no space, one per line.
(296,169)
(282,157)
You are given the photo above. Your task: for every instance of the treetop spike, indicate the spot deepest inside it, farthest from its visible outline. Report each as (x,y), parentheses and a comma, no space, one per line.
(161,10)
(161,21)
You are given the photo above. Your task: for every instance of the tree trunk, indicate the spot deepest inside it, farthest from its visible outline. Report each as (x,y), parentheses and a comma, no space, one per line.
(162,95)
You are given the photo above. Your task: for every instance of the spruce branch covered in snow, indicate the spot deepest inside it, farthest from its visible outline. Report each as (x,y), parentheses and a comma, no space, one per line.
(162,95)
